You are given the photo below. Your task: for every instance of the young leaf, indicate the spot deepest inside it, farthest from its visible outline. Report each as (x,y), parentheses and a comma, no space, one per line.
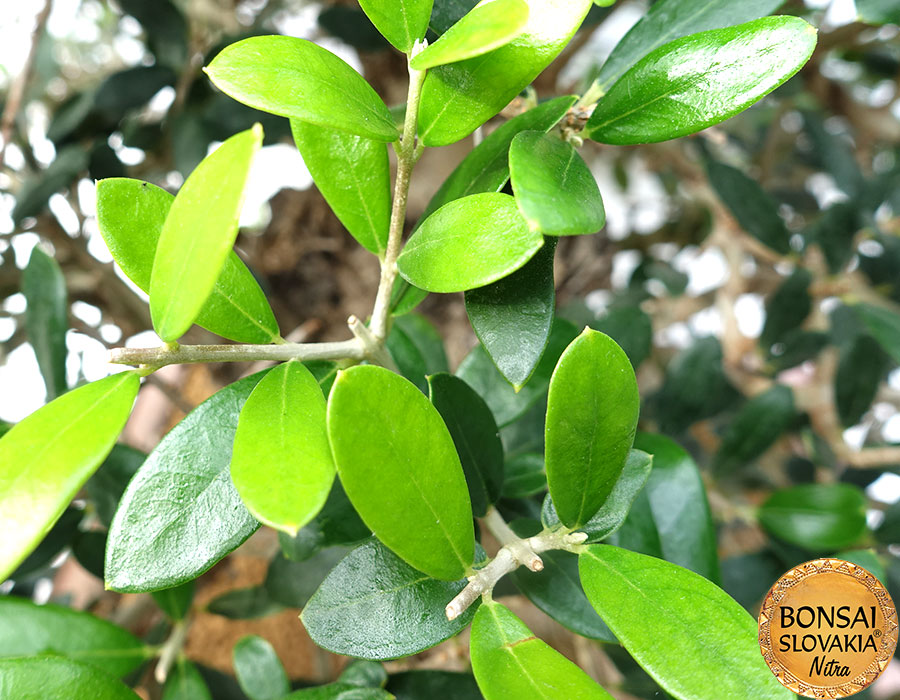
(281,464)
(46,458)
(460,97)
(131,214)
(401,22)
(555,190)
(181,513)
(673,622)
(43,677)
(884,325)
(701,80)
(199,233)
(819,517)
(185,683)
(47,318)
(592,413)
(760,422)
(296,78)
(375,606)
(353,175)
(488,26)
(258,669)
(510,662)
(468,243)
(410,482)
(475,435)
(27,629)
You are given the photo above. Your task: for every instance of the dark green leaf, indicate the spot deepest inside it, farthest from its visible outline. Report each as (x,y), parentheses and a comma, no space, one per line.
(524,475)
(818,517)
(888,532)
(131,88)
(61,173)
(862,366)
(166,29)
(41,678)
(175,602)
(339,691)
(258,669)
(292,583)
(787,308)
(365,674)
(405,297)
(748,577)
(244,604)
(47,318)
(878,11)
(337,523)
(757,426)
(350,25)
(797,347)
(415,685)
(884,325)
(88,549)
(834,231)
(107,485)
(631,328)
(446,13)
(185,683)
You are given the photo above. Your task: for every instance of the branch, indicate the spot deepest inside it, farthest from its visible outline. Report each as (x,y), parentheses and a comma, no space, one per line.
(186,354)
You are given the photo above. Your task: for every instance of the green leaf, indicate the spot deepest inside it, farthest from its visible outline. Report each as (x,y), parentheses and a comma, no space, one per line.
(185,683)
(701,80)
(510,662)
(488,26)
(415,685)
(366,674)
(884,325)
(47,318)
(281,464)
(165,27)
(258,670)
(513,316)
(751,205)
(337,523)
(631,328)
(375,606)
(446,13)
(878,11)
(615,509)
(592,413)
(673,622)
(861,368)
(61,535)
(37,190)
(672,19)
(417,348)
(757,426)
(27,629)
(555,190)
(354,177)
(460,97)
(405,297)
(475,436)
(46,458)
(339,691)
(401,22)
(43,677)
(131,214)
(181,513)
(244,604)
(524,475)
(175,602)
(292,583)
(818,517)
(108,483)
(412,481)
(468,243)
(888,532)
(198,234)
(787,308)
(296,78)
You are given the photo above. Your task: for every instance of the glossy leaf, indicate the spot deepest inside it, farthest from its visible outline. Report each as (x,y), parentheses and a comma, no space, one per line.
(258,669)
(185,683)
(296,78)
(460,97)
(673,622)
(198,234)
(281,463)
(884,325)
(401,22)
(375,606)
(592,412)
(181,513)
(510,662)
(46,458)
(488,26)
(555,190)
(818,517)
(27,629)
(475,436)
(47,318)
(131,214)
(43,677)
(758,425)
(411,482)
(354,177)
(700,80)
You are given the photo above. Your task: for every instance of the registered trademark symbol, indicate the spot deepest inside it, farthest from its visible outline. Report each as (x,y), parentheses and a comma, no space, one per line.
(877,633)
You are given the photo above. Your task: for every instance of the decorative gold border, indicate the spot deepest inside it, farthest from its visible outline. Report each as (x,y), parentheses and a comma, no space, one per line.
(888,638)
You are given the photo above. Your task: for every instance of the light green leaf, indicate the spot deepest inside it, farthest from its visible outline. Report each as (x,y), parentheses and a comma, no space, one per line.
(556,192)
(296,78)
(47,318)
(258,669)
(510,662)
(185,683)
(46,458)
(354,177)
(592,412)
(399,467)
(468,243)
(27,629)
(45,677)
(460,97)
(401,22)
(281,464)
(701,80)
(818,517)
(490,25)
(673,621)
(131,214)
(198,234)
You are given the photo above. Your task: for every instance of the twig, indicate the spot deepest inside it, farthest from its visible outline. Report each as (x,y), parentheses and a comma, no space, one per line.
(187,354)
(170,651)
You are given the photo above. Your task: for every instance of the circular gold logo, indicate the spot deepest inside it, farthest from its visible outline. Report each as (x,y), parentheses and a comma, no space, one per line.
(827,629)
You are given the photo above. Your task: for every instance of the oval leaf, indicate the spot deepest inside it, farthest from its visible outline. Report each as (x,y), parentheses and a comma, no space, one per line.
(47,318)
(185,683)
(373,605)
(298,79)
(701,80)
(592,412)
(43,677)
(759,423)
(258,669)
(411,482)
(401,22)
(816,516)
(281,464)
(555,190)
(46,458)
(180,513)
(510,662)
(468,243)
